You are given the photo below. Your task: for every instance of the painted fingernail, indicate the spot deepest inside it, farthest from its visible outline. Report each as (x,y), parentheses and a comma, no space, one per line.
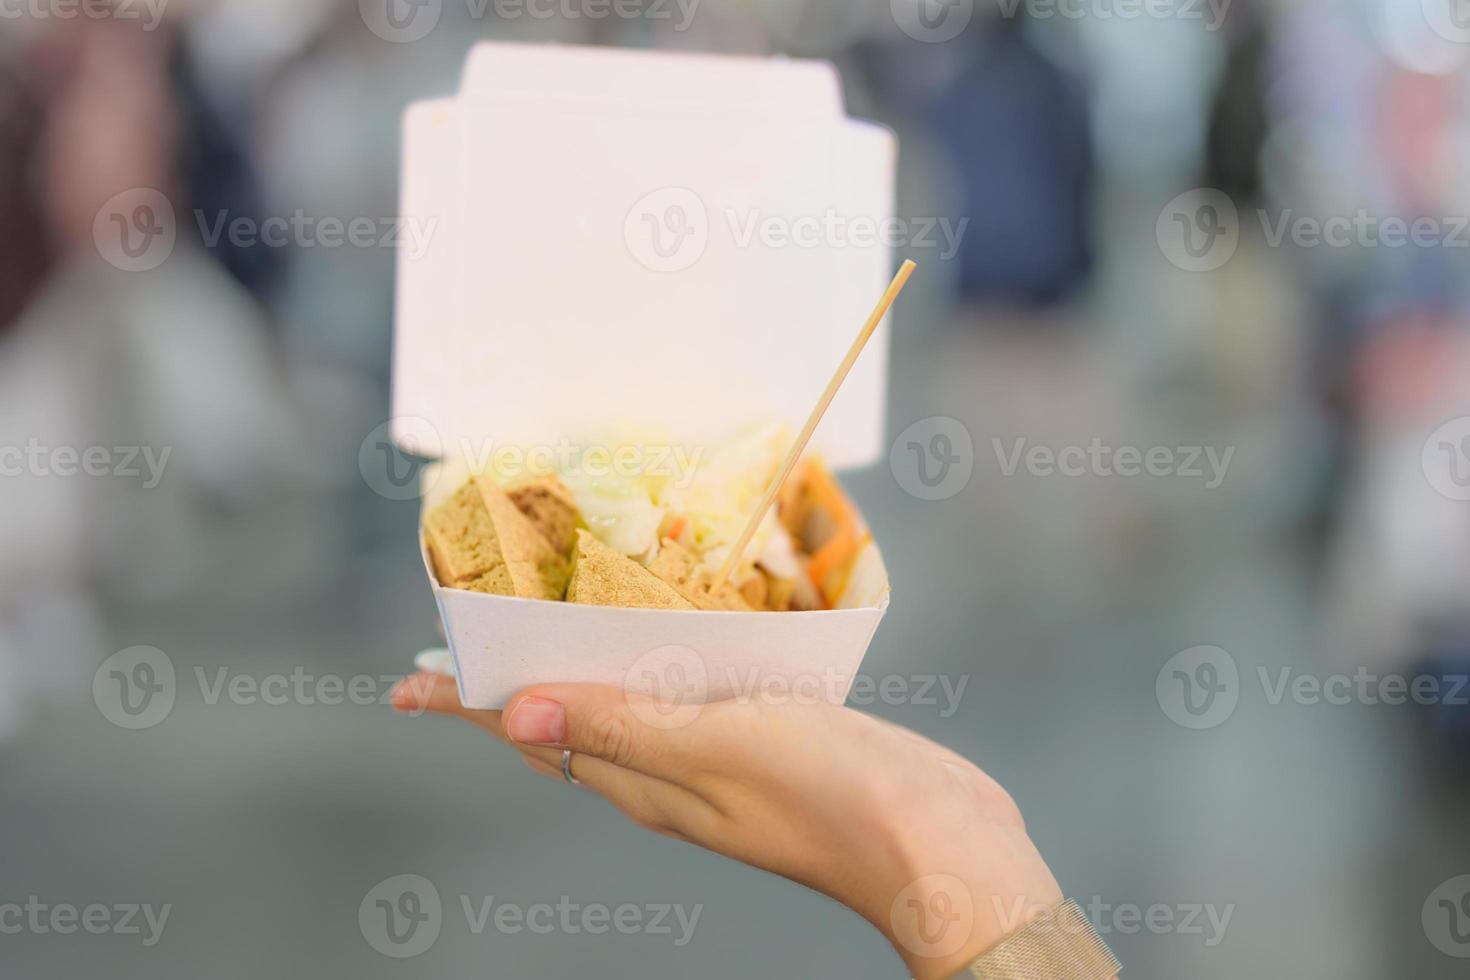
(537,721)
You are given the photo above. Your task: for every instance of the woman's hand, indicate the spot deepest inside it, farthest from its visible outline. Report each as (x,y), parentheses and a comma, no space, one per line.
(914,838)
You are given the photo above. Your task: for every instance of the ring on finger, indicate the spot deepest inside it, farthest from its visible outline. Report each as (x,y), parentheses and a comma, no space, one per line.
(566,768)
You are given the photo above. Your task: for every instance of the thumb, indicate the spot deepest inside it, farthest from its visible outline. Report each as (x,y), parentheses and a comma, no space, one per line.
(606,723)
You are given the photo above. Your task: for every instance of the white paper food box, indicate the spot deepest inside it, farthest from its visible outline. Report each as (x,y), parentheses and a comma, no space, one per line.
(620,237)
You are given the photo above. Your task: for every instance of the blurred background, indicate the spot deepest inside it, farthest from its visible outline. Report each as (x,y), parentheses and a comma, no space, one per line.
(1229,231)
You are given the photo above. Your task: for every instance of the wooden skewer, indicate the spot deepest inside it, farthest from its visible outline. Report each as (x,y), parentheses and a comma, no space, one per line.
(797,448)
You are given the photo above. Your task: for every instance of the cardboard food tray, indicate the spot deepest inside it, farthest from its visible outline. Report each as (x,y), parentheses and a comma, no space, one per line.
(541,310)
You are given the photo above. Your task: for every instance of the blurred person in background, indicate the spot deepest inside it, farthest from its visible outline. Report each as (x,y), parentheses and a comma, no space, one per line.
(1368,118)
(86,118)
(170,368)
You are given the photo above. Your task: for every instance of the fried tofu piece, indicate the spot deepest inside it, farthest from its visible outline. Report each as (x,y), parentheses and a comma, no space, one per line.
(549,506)
(463,544)
(678,567)
(603,577)
(480,541)
(537,569)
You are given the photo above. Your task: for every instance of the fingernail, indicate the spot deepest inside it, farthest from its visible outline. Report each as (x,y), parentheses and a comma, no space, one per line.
(537,721)
(401,698)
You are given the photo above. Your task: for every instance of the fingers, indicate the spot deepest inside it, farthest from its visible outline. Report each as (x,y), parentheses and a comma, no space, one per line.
(437,694)
(603,723)
(650,802)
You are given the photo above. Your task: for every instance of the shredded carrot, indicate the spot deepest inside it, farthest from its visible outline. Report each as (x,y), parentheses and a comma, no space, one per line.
(844,543)
(677,528)
(840,588)
(831,555)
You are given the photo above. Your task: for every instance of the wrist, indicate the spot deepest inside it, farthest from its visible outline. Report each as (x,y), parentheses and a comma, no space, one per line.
(952,904)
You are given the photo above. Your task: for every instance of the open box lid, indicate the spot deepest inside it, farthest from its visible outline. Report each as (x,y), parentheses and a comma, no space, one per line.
(613,239)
